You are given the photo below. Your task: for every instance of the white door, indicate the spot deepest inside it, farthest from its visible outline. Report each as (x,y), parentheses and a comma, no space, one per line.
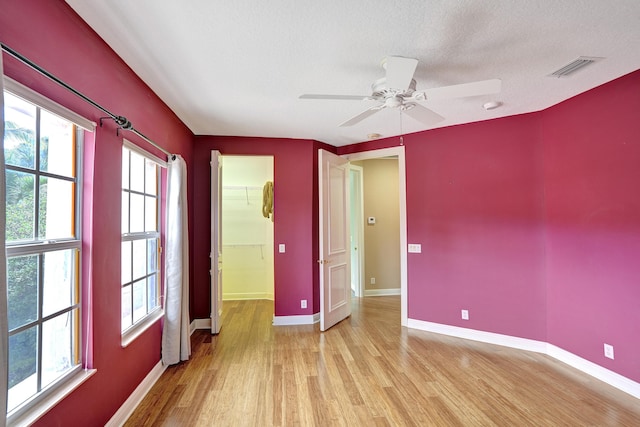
(216,243)
(335,276)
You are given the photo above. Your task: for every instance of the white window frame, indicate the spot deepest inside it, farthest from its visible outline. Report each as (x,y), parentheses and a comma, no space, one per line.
(46,398)
(140,326)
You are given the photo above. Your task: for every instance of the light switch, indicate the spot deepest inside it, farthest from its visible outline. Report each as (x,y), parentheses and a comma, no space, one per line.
(371,220)
(415,248)
(281,248)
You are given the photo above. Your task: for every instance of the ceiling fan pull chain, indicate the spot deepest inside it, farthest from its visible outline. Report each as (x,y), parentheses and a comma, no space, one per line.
(401,133)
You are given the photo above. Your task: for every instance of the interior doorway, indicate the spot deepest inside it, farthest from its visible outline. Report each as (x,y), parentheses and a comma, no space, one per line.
(398,154)
(247,235)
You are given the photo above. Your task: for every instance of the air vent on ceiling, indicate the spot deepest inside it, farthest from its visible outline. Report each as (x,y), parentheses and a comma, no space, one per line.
(574,66)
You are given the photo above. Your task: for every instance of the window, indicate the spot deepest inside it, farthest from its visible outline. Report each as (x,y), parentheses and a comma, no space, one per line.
(140,286)
(42,152)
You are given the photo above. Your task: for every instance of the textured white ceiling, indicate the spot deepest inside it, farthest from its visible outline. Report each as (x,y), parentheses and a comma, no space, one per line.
(238,67)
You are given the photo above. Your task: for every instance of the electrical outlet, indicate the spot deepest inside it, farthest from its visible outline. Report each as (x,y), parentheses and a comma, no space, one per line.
(465,314)
(373,280)
(303,303)
(608,351)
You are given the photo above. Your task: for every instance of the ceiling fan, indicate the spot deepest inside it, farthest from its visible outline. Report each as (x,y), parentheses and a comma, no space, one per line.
(398,90)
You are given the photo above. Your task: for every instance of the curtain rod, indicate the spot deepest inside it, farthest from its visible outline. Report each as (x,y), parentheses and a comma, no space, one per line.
(121,121)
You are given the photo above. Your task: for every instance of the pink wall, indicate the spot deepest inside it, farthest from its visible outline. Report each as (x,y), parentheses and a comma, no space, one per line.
(474,202)
(532,223)
(52,35)
(296,219)
(592,182)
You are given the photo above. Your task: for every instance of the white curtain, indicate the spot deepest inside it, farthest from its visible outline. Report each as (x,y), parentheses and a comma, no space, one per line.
(176,345)
(4,323)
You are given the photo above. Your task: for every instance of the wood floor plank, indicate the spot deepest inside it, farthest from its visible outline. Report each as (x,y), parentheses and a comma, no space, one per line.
(369,371)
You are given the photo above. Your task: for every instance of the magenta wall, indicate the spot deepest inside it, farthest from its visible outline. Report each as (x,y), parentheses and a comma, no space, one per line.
(532,223)
(295,225)
(592,182)
(52,35)
(474,202)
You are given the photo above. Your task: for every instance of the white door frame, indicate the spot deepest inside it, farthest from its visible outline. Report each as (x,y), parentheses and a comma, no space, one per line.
(358,230)
(215,272)
(402,192)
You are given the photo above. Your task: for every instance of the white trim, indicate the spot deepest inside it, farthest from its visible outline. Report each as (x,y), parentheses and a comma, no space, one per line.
(296,320)
(134,399)
(144,153)
(138,329)
(603,374)
(239,296)
(402,196)
(381,292)
(359,171)
(47,403)
(199,324)
(482,336)
(29,95)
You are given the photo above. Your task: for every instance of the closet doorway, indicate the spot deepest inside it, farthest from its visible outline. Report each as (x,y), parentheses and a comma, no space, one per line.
(247,235)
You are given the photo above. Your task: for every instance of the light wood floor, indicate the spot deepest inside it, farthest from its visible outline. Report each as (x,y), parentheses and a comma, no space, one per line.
(369,371)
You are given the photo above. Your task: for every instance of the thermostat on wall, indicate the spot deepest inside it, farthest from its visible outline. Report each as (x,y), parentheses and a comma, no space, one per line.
(371,220)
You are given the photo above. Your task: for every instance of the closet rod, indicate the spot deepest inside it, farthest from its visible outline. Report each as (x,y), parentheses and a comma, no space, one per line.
(121,121)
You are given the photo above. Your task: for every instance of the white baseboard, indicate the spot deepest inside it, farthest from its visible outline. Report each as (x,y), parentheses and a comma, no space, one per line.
(296,320)
(381,292)
(199,324)
(487,337)
(603,374)
(132,402)
(246,296)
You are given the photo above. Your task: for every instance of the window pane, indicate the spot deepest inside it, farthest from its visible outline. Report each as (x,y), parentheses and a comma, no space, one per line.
(139,259)
(56,145)
(125,212)
(151,174)
(23,351)
(126,307)
(137,213)
(152,292)
(20,206)
(139,299)
(22,290)
(150,214)
(125,168)
(56,216)
(137,172)
(57,347)
(59,284)
(19,132)
(126,262)
(152,255)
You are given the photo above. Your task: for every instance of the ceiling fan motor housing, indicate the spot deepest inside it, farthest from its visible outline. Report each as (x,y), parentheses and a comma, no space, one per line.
(380,90)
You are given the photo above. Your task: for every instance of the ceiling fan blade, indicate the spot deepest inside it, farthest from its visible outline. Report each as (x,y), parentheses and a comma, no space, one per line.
(483,87)
(422,114)
(360,117)
(400,72)
(337,97)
